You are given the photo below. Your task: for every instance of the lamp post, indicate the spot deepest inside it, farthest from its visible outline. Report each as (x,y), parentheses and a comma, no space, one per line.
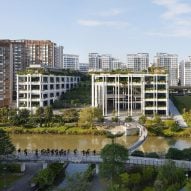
(4,169)
(186,176)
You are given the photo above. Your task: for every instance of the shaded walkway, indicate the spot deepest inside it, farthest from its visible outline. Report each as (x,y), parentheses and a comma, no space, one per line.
(176,115)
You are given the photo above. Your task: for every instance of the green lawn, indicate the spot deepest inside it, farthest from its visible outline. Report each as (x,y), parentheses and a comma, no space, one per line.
(182,102)
(77,97)
(7,179)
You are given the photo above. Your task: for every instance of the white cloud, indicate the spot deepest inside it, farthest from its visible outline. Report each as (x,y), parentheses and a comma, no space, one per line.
(178,33)
(177,14)
(109,13)
(100,23)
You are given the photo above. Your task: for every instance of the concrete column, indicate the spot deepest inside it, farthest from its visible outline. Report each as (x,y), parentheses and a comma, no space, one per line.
(93,90)
(17,91)
(23,167)
(105,90)
(44,165)
(131,95)
(128,94)
(97,168)
(118,109)
(96,96)
(103,98)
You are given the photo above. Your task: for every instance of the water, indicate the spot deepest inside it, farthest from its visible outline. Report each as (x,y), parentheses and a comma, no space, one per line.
(84,142)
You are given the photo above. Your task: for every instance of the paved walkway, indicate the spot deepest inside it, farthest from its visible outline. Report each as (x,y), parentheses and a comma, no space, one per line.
(98,184)
(23,184)
(176,115)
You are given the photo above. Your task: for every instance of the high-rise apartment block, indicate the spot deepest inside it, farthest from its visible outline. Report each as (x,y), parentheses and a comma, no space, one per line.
(94,61)
(185,72)
(71,61)
(104,62)
(138,62)
(6,71)
(83,67)
(19,54)
(170,63)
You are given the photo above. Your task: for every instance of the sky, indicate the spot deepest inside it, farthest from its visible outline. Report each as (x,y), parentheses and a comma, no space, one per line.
(116,27)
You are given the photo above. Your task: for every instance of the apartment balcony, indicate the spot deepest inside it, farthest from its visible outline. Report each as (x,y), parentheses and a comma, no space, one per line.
(161,99)
(162,91)
(150,107)
(150,99)
(36,91)
(162,107)
(150,90)
(35,99)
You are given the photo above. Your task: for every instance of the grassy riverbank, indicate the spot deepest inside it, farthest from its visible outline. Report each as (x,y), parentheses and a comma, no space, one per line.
(7,179)
(54,130)
(182,102)
(184,133)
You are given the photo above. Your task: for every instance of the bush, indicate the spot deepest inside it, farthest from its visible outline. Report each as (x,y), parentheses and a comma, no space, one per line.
(152,155)
(174,153)
(138,153)
(115,119)
(128,119)
(11,168)
(46,177)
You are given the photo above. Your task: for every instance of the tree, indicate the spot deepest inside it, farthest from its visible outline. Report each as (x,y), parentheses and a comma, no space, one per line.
(149,189)
(21,117)
(114,157)
(125,179)
(88,116)
(142,119)
(169,175)
(128,119)
(48,113)
(70,115)
(4,113)
(188,185)
(44,178)
(135,179)
(6,147)
(40,115)
(76,182)
(174,153)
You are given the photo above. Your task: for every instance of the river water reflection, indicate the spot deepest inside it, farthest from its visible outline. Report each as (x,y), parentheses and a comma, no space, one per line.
(152,144)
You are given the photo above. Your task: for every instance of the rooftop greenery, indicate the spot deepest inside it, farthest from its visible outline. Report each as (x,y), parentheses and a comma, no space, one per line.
(49,71)
(151,70)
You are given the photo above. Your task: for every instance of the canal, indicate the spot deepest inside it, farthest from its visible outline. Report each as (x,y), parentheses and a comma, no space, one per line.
(83,142)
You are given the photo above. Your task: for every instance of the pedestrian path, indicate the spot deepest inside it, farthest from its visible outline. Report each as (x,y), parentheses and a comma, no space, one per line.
(176,115)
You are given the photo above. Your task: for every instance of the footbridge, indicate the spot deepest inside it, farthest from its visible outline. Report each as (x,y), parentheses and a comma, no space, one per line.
(91,158)
(126,128)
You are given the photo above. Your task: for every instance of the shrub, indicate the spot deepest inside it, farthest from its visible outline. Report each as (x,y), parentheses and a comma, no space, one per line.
(115,119)
(152,155)
(128,119)
(138,153)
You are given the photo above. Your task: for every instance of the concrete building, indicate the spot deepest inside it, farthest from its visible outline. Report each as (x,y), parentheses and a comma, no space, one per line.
(185,72)
(40,87)
(6,74)
(131,94)
(94,62)
(71,61)
(21,53)
(138,62)
(170,63)
(83,67)
(104,62)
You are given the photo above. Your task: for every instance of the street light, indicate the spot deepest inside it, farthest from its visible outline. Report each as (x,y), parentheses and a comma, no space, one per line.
(186,176)
(4,169)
